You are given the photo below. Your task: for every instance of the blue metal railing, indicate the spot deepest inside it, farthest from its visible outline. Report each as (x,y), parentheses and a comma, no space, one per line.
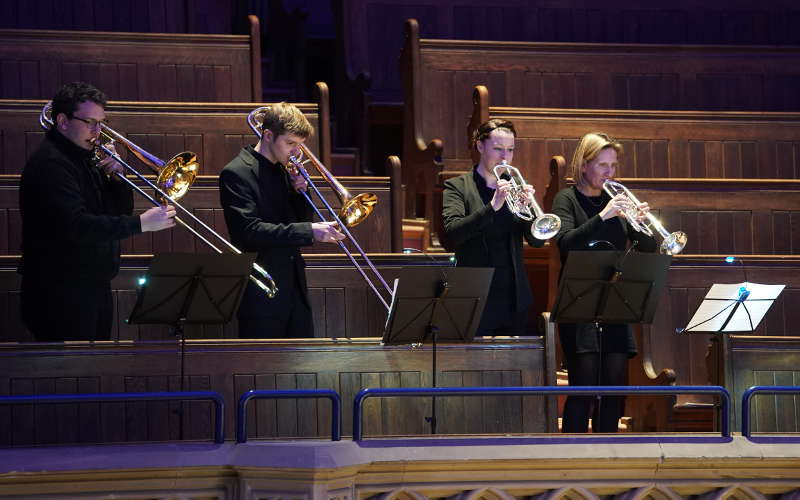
(219,403)
(540,391)
(761,389)
(336,408)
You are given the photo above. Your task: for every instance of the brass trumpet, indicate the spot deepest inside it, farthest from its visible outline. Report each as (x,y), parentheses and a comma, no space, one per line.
(173,181)
(672,243)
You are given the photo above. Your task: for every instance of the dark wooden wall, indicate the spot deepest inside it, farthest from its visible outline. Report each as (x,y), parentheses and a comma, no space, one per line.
(133,66)
(234,367)
(154,16)
(372,29)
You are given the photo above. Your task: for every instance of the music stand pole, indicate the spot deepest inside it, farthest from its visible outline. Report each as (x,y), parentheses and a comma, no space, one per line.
(436,304)
(432,331)
(186,288)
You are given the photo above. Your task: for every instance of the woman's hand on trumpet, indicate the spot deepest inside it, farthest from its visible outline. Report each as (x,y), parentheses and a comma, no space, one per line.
(326,232)
(618,206)
(157,218)
(500,194)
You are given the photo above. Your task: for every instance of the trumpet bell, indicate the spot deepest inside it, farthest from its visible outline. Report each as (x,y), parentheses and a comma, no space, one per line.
(178,174)
(674,243)
(546,226)
(357,209)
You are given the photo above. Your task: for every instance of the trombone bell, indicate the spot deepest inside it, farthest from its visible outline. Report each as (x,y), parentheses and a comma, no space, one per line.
(178,174)
(357,209)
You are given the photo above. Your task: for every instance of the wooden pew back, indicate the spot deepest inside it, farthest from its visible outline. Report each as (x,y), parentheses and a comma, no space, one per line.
(215,132)
(439,74)
(133,66)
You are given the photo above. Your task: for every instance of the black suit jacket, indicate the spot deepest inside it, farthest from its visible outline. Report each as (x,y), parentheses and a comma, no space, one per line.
(265,215)
(466,218)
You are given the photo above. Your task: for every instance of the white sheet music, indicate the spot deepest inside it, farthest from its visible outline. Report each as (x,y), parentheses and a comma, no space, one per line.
(720,301)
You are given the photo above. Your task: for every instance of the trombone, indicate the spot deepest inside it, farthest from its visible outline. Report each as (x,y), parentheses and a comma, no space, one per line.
(673,242)
(354,208)
(173,180)
(525,207)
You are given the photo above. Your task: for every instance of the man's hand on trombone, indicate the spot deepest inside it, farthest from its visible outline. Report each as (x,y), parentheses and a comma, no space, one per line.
(326,232)
(298,181)
(157,218)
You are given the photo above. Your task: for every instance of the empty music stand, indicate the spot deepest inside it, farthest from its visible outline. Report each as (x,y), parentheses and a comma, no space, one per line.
(736,307)
(610,287)
(437,303)
(190,288)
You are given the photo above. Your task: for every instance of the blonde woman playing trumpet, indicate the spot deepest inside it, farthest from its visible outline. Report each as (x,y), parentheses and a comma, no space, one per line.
(592,220)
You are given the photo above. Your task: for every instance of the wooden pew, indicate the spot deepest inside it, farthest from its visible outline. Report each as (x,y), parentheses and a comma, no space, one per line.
(232,367)
(215,132)
(439,74)
(133,66)
(371,36)
(374,235)
(342,303)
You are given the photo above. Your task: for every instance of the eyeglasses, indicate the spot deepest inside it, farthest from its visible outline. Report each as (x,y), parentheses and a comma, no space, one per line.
(91,122)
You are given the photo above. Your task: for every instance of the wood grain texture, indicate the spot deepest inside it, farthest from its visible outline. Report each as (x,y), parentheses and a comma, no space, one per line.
(234,367)
(130,66)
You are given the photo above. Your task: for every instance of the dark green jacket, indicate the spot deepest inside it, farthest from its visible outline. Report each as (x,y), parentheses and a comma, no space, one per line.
(466,218)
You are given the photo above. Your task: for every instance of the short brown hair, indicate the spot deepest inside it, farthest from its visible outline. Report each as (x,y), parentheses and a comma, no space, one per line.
(71,95)
(590,146)
(282,118)
(486,128)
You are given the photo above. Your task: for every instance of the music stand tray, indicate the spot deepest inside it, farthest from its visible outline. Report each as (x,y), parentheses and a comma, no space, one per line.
(415,305)
(736,307)
(610,287)
(190,288)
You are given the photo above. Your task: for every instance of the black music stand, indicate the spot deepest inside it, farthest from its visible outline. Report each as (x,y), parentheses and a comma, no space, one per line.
(437,303)
(610,287)
(191,288)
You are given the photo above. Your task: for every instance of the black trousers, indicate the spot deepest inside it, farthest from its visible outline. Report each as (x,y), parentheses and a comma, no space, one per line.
(287,316)
(78,310)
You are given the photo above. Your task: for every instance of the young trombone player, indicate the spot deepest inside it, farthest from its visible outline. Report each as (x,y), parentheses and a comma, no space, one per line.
(75,211)
(266,214)
(484,232)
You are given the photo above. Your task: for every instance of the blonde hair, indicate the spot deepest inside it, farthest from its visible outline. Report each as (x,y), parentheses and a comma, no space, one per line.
(590,146)
(283,118)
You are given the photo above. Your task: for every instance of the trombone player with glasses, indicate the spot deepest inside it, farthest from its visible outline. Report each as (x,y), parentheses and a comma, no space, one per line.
(265,213)
(484,231)
(75,211)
